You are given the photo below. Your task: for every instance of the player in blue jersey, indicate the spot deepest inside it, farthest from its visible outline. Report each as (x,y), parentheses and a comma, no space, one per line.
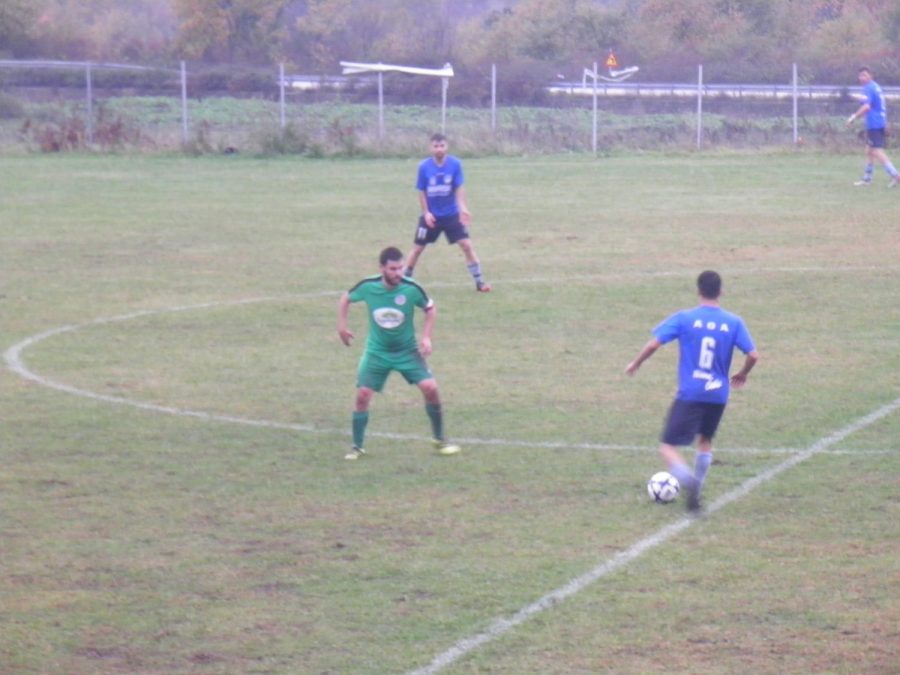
(875,112)
(391,300)
(442,199)
(707,336)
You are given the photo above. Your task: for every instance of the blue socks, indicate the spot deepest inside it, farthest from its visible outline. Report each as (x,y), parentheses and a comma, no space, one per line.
(475,271)
(701,466)
(684,475)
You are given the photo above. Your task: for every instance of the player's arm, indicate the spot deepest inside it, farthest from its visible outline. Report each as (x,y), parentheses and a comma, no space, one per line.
(343,312)
(645,353)
(464,215)
(863,109)
(739,379)
(427,329)
(426,213)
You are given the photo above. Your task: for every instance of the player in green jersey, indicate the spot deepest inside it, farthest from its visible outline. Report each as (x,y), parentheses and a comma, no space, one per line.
(391,300)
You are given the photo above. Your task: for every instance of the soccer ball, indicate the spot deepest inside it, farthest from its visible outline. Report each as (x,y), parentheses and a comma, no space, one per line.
(663,487)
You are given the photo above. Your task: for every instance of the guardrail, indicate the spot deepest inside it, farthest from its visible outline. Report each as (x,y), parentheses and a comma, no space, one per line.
(82,64)
(737,91)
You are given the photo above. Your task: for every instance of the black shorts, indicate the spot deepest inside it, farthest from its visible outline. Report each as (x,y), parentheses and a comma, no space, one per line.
(687,419)
(451,226)
(875,138)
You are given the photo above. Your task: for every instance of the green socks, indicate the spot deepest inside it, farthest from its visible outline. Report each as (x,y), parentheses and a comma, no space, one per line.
(360,420)
(437,420)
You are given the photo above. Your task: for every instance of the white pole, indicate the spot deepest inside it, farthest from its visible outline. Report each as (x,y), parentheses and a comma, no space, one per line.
(90,104)
(594,129)
(796,134)
(445,82)
(184,113)
(493,97)
(699,105)
(380,104)
(281,84)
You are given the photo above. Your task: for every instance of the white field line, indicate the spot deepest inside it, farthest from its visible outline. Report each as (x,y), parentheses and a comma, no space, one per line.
(13,358)
(504,624)
(15,362)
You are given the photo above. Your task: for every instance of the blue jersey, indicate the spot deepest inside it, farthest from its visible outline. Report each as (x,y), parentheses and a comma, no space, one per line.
(876,117)
(707,337)
(439,183)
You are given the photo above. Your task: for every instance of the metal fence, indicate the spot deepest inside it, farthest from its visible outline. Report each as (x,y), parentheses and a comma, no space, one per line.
(286,101)
(89,69)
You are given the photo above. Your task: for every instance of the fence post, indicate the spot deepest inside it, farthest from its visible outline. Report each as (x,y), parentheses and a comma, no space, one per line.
(445,82)
(184,111)
(699,105)
(494,97)
(594,123)
(794,94)
(380,105)
(89,127)
(281,86)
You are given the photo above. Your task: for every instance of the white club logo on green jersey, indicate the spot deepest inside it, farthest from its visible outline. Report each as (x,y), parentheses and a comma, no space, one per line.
(388,317)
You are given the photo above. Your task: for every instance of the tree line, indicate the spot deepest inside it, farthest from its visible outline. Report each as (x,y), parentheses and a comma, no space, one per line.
(532,40)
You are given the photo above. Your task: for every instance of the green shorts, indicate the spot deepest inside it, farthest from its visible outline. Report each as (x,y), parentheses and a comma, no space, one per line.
(374,368)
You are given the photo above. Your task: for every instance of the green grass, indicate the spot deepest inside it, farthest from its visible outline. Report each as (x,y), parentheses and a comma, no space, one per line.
(137,541)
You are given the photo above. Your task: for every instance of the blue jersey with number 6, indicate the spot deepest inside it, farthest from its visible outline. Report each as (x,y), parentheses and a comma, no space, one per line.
(707,337)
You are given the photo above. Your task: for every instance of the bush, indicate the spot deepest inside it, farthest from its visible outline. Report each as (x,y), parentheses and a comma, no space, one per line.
(287,141)
(65,135)
(70,133)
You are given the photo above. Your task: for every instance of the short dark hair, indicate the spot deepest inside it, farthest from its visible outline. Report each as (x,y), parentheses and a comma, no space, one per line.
(709,284)
(437,137)
(864,69)
(391,253)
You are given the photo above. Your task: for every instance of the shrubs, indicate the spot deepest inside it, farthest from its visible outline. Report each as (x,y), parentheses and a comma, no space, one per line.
(70,133)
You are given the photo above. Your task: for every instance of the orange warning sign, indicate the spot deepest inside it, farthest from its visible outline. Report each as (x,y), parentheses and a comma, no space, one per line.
(611,60)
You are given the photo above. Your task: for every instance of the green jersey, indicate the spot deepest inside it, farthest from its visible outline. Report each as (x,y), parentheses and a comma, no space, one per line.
(391,313)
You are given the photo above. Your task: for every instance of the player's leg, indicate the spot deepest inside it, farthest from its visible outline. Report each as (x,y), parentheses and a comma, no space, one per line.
(703,460)
(412,259)
(371,376)
(875,152)
(360,421)
(709,424)
(682,424)
(472,261)
(868,169)
(880,155)
(424,236)
(432,397)
(430,393)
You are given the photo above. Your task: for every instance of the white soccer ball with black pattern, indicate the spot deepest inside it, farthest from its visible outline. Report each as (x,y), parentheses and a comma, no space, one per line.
(663,487)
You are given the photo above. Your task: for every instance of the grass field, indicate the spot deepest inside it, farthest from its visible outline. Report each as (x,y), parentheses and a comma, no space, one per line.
(176,406)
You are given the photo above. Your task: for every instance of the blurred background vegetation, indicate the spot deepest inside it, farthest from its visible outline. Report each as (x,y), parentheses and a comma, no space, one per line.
(531,40)
(233,47)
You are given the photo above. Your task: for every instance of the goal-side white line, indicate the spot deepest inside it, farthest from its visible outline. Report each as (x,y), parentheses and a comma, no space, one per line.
(504,624)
